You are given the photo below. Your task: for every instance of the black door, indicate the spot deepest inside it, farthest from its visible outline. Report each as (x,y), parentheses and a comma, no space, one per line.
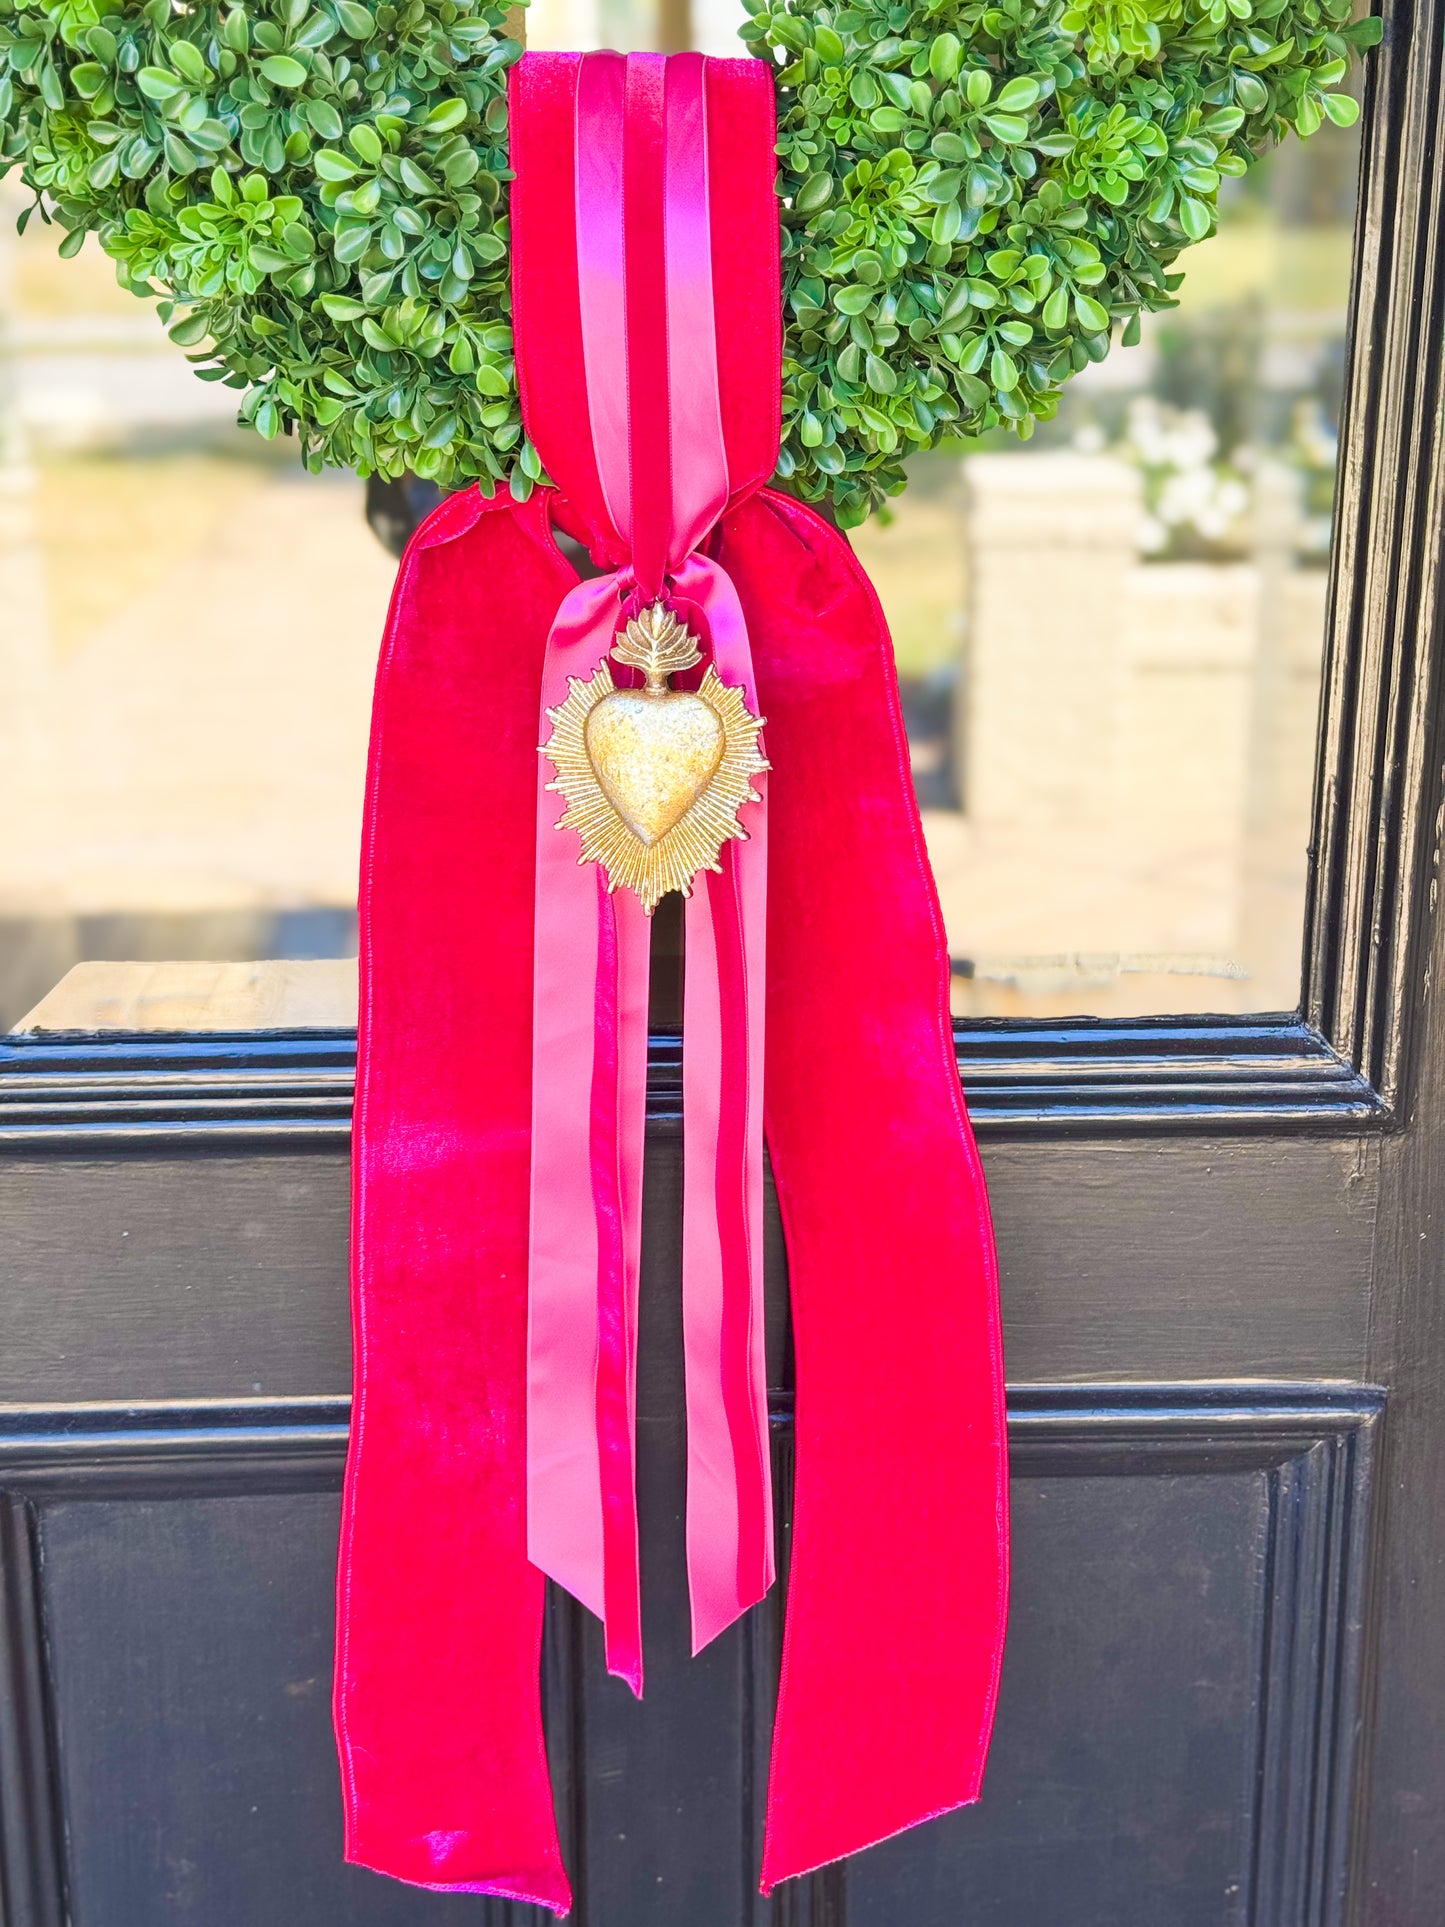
(1224,1304)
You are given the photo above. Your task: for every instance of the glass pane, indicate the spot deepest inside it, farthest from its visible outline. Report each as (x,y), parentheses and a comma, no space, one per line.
(188,635)
(636,26)
(188,639)
(1109,640)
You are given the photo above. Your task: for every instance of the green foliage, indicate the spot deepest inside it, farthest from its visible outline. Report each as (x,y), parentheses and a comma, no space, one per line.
(315,190)
(974,195)
(977,194)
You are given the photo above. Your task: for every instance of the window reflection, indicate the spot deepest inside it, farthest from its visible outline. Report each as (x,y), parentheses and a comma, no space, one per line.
(663,26)
(188,639)
(1109,641)
(188,634)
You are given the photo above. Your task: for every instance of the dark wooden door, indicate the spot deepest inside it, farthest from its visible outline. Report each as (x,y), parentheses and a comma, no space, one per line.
(1224,1301)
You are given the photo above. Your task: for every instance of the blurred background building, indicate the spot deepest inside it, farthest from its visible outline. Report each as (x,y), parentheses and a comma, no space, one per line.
(1109,641)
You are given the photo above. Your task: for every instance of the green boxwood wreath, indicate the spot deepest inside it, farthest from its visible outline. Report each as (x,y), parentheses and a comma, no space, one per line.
(975,196)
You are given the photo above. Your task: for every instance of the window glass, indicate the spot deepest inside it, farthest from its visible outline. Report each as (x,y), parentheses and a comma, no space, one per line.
(1109,640)
(189,633)
(641,26)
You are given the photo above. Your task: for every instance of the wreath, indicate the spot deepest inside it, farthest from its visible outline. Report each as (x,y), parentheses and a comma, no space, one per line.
(975,195)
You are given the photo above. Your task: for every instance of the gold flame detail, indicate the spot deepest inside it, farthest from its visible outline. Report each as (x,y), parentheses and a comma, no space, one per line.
(659,645)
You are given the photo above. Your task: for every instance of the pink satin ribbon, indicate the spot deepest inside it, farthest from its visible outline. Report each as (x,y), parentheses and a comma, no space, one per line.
(645,290)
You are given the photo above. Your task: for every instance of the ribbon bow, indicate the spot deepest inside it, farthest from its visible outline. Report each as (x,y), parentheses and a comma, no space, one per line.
(502,1059)
(643,280)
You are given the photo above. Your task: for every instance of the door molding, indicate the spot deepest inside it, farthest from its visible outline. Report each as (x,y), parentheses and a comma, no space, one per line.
(1314,1443)
(1076,1076)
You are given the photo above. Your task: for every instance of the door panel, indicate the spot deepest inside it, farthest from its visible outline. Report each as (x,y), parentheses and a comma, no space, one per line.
(188,1642)
(1190,1563)
(164,1274)
(1184,1258)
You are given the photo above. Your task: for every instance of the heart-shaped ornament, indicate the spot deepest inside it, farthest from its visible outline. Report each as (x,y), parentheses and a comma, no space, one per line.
(654,753)
(654,777)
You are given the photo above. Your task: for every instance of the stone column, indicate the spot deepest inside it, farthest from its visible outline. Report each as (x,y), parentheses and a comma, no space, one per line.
(32,925)
(1283,725)
(1052,538)
(25,666)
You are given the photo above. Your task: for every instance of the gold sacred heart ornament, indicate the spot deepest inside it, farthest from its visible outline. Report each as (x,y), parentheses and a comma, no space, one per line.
(654,777)
(653,759)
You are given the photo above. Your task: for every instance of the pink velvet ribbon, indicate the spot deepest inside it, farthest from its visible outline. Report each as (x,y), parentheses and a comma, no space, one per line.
(645,294)
(497,1147)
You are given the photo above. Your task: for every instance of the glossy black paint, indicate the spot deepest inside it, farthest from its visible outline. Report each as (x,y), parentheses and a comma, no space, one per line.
(171,1756)
(1070,1076)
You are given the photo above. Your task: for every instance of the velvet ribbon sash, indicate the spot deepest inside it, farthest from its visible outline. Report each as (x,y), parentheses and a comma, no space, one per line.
(649,475)
(898,1568)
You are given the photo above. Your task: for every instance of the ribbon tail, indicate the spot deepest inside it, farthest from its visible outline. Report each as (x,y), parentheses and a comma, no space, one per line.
(618,1124)
(729,1487)
(627,293)
(443,1764)
(589,1087)
(898,1579)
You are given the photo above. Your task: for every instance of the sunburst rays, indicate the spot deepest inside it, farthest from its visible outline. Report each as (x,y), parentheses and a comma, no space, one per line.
(658,644)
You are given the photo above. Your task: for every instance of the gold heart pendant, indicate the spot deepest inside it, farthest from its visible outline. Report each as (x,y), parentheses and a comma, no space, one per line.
(654,754)
(654,777)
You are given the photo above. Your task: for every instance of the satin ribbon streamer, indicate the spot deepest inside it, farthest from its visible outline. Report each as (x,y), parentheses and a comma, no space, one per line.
(645,294)
(501,1066)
